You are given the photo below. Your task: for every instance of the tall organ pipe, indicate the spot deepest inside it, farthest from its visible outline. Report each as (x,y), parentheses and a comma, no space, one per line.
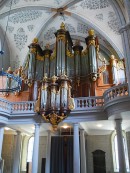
(92,45)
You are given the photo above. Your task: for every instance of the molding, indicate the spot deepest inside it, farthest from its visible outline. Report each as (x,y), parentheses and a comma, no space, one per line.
(116,106)
(125,28)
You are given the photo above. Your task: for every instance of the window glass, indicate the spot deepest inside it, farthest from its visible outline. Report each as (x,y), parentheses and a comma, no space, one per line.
(115,153)
(30,149)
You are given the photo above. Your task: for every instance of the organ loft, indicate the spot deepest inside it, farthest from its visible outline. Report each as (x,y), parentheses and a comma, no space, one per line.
(53,77)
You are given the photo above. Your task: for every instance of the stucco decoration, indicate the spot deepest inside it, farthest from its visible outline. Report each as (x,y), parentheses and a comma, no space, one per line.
(113,22)
(12,2)
(50,34)
(16,62)
(70,28)
(30,28)
(94,4)
(99,17)
(10,29)
(20,38)
(63,18)
(25,16)
(58,1)
(32,0)
(82,28)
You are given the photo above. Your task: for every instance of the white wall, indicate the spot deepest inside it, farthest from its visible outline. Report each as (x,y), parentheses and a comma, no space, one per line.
(42,151)
(99,142)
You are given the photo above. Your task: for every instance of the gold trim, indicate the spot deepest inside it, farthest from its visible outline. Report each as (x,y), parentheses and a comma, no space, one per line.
(61,37)
(62,26)
(53,56)
(91,42)
(40,58)
(84,52)
(69,54)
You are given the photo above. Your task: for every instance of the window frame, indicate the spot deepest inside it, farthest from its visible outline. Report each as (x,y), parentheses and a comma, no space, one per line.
(116,163)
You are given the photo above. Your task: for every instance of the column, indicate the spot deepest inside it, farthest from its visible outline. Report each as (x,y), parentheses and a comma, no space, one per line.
(121,153)
(1,143)
(1,140)
(76,150)
(83,152)
(125,33)
(17,153)
(48,154)
(35,149)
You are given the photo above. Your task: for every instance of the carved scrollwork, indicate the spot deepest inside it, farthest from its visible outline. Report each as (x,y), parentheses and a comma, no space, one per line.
(69,54)
(84,52)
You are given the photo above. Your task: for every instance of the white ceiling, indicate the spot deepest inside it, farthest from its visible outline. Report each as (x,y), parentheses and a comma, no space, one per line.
(22,20)
(92,127)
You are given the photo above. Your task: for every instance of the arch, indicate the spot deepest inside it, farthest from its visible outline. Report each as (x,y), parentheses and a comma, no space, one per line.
(80,18)
(30,149)
(24,153)
(118,11)
(5,58)
(3,3)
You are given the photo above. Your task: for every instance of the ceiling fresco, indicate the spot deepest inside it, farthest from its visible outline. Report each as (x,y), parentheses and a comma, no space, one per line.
(22,20)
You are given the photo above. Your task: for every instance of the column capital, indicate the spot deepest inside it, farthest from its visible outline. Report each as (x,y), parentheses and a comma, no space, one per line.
(118,121)
(37,125)
(82,130)
(18,132)
(75,124)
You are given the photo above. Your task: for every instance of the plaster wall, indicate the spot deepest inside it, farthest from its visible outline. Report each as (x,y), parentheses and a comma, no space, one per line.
(4,59)
(42,151)
(8,152)
(99,142)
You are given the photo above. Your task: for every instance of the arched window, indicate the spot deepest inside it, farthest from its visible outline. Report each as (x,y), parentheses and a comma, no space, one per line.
(115,152)
(30,149)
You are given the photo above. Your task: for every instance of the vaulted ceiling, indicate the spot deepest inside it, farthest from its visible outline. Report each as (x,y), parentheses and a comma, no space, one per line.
(22,20)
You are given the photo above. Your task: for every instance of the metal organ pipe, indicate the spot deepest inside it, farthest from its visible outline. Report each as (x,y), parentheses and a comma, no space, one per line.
(92,55)
(77,59)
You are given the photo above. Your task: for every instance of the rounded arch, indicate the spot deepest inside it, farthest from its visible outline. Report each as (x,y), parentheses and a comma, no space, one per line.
(91,25)
(2,2)
(30,149)
(5,58)
(119,12)
(98,30)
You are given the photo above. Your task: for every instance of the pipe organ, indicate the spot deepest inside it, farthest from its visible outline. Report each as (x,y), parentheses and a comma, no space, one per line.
(79,65)
(56,76)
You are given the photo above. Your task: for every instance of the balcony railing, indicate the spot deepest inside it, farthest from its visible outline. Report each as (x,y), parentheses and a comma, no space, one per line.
(16,107)
(81,103)
(115,92)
